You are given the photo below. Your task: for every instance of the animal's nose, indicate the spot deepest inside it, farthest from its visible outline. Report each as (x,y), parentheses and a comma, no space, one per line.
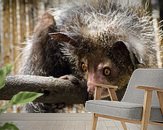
(91,87)
(91,79)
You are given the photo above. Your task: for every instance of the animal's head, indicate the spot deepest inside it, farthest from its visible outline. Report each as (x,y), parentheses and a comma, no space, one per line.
(100,63)
(110,40)
(110,65)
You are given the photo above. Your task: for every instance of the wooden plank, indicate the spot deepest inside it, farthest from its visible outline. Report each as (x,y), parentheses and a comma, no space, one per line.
(11,33)
(14,32)
(150,88)
(55,121)
(160,98)
(27,18)
(73,121)
(119,119)
(146,109)
(30,13)
(156,123)
(124,125)
(18,22)
(97,93)
(112,94)
(34,14)
(22,22)
(77,125)
(6,30)
(104,85)
(19,30)
(94,121)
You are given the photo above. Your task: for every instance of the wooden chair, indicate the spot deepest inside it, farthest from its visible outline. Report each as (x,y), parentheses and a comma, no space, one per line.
(137,106)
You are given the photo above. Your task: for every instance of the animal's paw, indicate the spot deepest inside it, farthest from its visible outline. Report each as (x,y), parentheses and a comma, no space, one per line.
(71,78)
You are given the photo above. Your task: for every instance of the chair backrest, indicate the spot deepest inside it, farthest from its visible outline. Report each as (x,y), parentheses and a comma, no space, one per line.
(143,77)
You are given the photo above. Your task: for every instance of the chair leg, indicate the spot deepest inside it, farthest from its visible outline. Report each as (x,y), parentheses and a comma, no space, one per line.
(144,126)
(146,109)
(124,125)
(113,95)
(94,121)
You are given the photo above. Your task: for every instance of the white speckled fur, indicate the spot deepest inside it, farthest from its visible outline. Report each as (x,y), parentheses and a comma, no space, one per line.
(129,24)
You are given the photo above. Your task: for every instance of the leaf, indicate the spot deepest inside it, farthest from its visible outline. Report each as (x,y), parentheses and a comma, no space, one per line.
(2,77)
(8,126)
(24,97)
(3,73)
(8,68)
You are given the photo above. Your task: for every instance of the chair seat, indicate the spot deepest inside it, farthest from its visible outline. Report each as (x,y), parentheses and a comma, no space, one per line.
(131,111)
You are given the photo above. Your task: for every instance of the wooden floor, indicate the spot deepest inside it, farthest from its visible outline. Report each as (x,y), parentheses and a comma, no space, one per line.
(59,121)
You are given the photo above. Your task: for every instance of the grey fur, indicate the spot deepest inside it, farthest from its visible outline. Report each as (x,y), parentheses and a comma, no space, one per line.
(95,25)
(118,18)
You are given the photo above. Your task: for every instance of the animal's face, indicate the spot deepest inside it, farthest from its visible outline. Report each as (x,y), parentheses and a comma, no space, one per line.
(101,63)
(99,70)
(107,66)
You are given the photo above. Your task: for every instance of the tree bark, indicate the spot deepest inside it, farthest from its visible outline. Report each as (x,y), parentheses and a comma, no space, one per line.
(55,90)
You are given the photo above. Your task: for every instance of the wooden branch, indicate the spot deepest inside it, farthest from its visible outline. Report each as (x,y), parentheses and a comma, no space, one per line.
(55,90)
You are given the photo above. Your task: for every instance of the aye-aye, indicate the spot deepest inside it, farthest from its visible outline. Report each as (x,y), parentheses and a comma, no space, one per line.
(102,41)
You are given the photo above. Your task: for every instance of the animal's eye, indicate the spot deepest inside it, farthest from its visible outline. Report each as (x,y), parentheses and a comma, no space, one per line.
(84,67)
(106,71)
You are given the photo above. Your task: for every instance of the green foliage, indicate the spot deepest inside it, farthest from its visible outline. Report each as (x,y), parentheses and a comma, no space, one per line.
(20,98)
(3,73)
(24,97)
(8,126)
(4,107)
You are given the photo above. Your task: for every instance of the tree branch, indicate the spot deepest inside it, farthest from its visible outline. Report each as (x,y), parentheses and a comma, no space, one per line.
(55,90)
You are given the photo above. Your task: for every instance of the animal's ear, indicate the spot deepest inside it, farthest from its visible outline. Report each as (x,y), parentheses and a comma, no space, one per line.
(119,49)
(63,37)
(45,22)
(119,45)
(122,52)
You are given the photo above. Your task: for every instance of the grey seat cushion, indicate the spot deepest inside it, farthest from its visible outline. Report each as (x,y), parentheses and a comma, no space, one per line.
(125,110)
